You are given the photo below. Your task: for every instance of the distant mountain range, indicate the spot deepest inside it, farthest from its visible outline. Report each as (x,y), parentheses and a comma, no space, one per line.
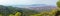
(38,7)
(44,8)
(32,5)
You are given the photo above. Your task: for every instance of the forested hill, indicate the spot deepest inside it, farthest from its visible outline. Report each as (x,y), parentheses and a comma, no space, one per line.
(6,10)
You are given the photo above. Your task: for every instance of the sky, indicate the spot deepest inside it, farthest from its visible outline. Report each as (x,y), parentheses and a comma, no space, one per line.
(27,2)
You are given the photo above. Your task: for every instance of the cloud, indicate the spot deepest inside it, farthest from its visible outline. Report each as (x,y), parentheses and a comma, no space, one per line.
(18,2)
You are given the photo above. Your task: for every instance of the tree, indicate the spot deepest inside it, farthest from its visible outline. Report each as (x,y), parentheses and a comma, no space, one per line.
(58,11)
(58,3)
(11,15)
(18,14)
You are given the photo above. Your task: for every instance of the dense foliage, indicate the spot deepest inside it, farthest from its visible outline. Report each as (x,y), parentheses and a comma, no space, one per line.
(13,11)
(9,10)
(58,3)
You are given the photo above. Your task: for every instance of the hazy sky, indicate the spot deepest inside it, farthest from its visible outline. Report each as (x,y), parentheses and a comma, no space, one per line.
(18,2)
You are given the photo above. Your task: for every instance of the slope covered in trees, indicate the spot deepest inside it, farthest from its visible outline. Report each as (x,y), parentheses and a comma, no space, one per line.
(7,10)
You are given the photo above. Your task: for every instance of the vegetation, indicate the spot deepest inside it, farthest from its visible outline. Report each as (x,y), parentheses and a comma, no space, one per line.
(58,3)
(14,11)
